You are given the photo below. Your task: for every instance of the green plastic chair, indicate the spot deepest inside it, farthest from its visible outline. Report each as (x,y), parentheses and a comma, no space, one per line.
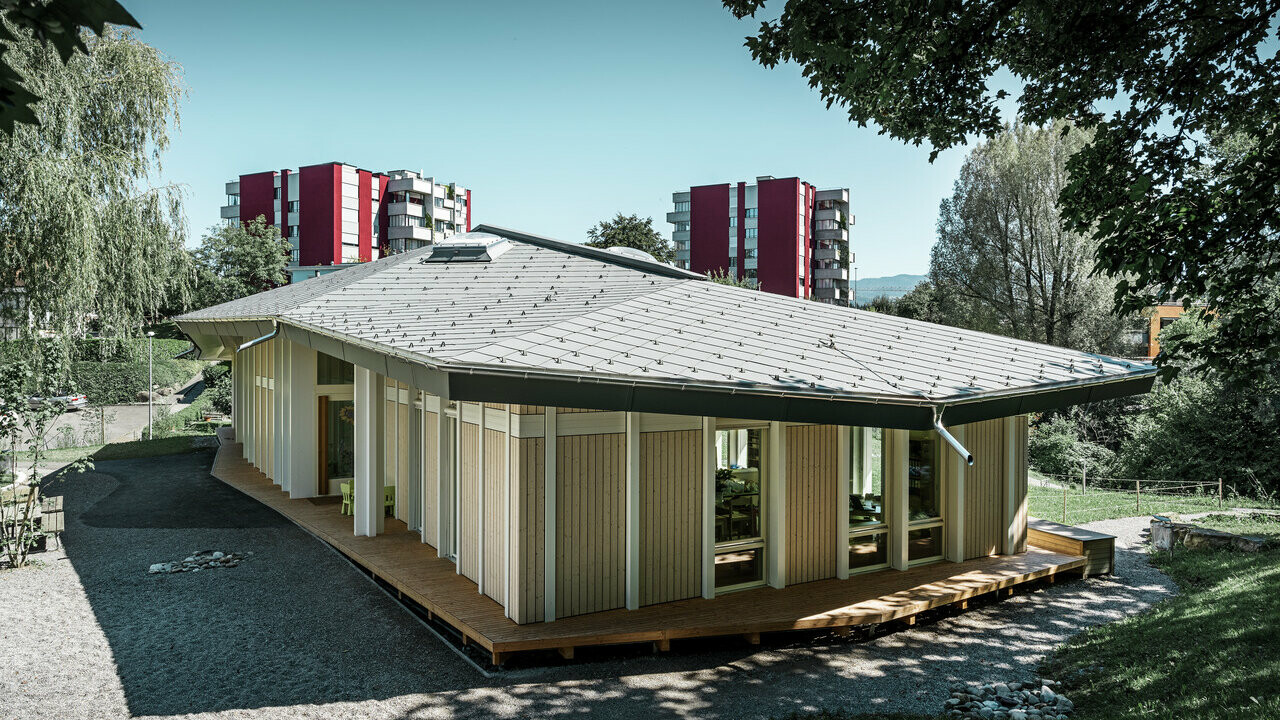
(389,499)
(346,498)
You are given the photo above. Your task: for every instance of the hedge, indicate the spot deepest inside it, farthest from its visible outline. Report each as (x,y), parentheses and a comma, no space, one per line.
(125,349)
(110,383)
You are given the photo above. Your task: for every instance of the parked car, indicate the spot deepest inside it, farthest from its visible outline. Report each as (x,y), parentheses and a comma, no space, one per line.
(68,402)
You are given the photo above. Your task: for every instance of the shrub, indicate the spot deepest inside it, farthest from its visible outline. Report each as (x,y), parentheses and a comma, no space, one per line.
(1056,447)
(217,381)
(125,349)
(109,383)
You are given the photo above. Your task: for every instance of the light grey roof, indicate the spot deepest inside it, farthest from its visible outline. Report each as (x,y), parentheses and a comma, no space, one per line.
(552,309)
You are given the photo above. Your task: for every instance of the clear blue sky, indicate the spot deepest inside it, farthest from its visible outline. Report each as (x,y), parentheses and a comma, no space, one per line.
(556,115)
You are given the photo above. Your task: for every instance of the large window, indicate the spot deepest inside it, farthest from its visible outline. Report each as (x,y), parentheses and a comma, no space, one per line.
(868,532)
(924,496)
(682,206)
(739,517)
(333,371)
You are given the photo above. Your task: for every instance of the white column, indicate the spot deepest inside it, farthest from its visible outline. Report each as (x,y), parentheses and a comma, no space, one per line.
(506,520)
(549,530)
(279,413)
(236,372)
(304,423)
(844,440)
(708,507)
(896,449)
(953,515)
(444,483)
(414,475)
(632,525)
(481,480)
(1009,503)
(371,413)
(251,405)
(775,542)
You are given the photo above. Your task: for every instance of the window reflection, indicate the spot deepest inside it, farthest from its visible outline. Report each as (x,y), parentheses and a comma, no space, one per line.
(739,530)
(924,496)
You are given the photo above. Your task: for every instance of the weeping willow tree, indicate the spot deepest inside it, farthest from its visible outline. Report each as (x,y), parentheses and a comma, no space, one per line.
(87,237)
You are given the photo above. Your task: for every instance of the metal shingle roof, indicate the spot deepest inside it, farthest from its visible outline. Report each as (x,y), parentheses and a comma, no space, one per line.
(548,308)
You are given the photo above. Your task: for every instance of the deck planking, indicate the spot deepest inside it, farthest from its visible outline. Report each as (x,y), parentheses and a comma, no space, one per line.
(412,568)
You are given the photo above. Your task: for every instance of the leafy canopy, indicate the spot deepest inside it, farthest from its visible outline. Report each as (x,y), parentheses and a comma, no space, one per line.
(1155,81)
(55,24)
(632,232)
(237,260)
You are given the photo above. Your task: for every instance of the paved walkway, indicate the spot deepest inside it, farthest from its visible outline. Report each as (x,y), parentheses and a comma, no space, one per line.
(297,632)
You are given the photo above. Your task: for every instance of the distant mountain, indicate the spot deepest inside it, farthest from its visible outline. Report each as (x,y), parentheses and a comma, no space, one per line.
(895,286)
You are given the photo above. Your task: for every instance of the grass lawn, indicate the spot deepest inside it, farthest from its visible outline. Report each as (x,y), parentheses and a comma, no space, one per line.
(1210,653)
(1046,503)
(175,445)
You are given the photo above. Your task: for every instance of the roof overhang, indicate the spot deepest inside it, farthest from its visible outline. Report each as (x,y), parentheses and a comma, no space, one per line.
(219,339)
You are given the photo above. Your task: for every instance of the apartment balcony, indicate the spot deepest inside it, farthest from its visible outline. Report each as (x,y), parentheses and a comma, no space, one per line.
(412,232)
(831,273)
(682,196)
(837,194)
(404,208)
(230,212)
(826,293)
(233,187)
(826,253)
(418,185)
(675,217)
(680,236)
(828,214)
(838,235)
(682,255)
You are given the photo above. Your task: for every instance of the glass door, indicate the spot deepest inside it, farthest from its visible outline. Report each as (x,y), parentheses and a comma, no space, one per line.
(337,443)
(739,509)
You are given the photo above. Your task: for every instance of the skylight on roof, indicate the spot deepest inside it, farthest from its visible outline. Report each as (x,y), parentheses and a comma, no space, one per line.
(468,247)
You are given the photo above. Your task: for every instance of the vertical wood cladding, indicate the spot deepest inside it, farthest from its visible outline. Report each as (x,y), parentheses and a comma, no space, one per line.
(670,516)
(495,476)
(590,548)
(527,560)
(813,502)
(469,501)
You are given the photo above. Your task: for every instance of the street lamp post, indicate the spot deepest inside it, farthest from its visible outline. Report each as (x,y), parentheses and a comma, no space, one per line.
(151,434)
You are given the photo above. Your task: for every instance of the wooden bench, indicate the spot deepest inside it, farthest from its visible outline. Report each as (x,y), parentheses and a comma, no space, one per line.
(1098,549)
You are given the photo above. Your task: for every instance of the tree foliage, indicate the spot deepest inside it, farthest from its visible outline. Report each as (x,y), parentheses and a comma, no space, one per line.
(724,277)
(632,232)
(1154,81)
(237,260)
(85,235)
(1003,260)
(56,24)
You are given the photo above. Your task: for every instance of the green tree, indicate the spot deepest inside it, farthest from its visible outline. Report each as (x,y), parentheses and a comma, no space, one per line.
(1154,81)
(85,235)
(1003,252)
(237,260)
(724,278)
(920,303)
(55,24)
(632,232)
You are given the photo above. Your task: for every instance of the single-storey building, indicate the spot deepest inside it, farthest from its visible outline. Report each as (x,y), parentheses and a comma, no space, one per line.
(576,432)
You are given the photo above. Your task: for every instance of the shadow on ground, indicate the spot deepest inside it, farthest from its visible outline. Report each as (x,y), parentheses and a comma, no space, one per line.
(297,625)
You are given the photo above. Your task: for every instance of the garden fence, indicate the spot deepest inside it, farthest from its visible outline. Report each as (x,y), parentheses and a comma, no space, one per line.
(1083,498)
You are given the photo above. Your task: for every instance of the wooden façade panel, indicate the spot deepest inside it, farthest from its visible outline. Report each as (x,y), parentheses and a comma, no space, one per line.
(528,468)
(495,539)
(984,488)
(813,501)
(590,505)
(1020,483)
(670,516)
(402,462)
(469,500)
(430,478)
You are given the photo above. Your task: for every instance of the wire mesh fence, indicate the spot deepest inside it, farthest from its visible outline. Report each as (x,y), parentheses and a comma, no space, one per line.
(1073,500)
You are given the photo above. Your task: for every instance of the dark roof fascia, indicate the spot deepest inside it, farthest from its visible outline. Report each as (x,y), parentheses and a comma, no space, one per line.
(590,252)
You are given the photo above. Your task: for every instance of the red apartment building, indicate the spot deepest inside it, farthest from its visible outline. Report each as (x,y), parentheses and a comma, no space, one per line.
(783,234)
(334,214)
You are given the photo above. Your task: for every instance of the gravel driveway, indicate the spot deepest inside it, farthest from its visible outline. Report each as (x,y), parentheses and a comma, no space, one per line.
(296,631)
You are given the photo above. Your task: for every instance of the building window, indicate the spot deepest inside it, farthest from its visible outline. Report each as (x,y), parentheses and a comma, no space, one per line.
(827,225)
(333,371)
(739,509)
(751,273)
(292,231)
(682,226)
(682,206)
(826,204)
(750,253)
(753,233)
(733,262)
(924,496)
(733,221)
(868,533)
(753,212)
(233,199)
(293,256)
(439,226)
(439,202)
(293,206)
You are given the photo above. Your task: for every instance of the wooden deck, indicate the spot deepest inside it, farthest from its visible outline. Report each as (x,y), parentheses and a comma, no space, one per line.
(1098,549)
(400,559)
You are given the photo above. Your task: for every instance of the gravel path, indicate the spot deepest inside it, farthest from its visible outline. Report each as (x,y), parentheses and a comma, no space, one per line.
(296,632)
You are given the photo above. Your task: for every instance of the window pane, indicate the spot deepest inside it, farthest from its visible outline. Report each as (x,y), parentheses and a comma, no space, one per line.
(924,497)
(332,371)
(868,550)
(340,433)
(925,543)
(866,483)
(738,482)
(739,567)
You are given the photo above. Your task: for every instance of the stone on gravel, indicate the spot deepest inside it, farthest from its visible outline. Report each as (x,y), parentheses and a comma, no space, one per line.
(199,560)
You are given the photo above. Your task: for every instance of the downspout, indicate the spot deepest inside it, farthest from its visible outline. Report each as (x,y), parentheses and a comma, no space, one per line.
(274,332)
(951,440)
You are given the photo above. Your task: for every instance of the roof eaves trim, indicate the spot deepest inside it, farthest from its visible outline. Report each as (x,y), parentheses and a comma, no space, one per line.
(590,252)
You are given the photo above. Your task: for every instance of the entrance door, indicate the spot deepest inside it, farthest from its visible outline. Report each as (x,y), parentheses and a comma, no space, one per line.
(337,443)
